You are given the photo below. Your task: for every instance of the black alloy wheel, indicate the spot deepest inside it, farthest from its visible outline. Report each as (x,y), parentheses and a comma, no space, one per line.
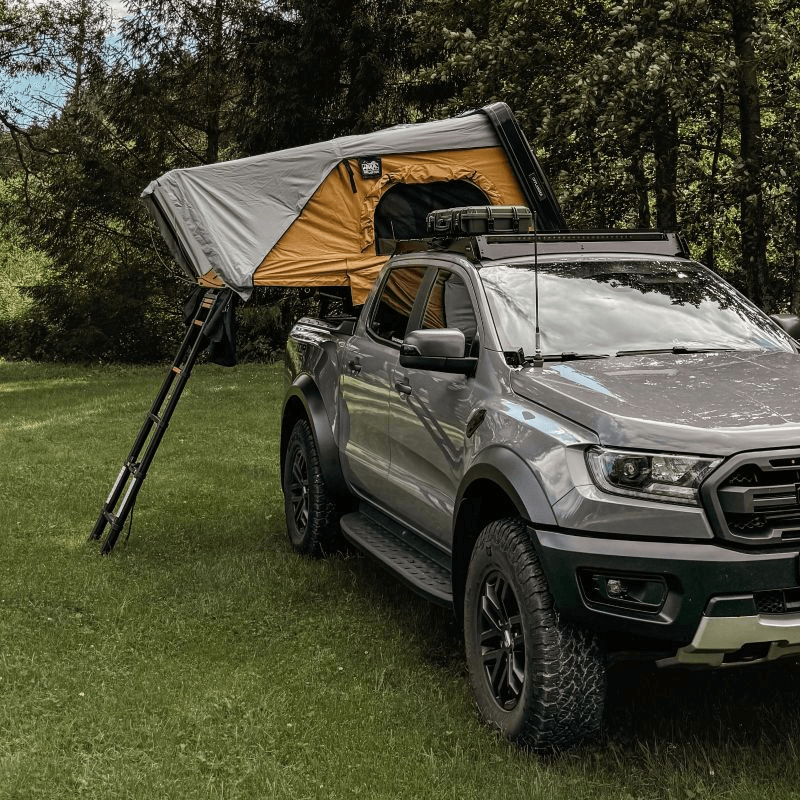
(502,640)
(297,489)
(537,678)
(311,514)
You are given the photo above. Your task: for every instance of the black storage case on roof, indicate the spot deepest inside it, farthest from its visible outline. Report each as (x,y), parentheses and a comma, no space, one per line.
(479,220)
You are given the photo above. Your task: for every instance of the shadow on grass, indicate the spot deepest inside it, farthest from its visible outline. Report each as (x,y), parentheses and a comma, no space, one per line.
(431,628)
(737,706)
(708,710)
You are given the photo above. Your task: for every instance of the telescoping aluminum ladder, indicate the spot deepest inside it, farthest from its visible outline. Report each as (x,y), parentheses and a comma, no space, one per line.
(115,510)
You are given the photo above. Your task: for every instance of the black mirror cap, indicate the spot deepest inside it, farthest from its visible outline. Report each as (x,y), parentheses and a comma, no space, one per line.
(464,365)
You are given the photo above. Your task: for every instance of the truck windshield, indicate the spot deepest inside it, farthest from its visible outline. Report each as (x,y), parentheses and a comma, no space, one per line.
(606,307)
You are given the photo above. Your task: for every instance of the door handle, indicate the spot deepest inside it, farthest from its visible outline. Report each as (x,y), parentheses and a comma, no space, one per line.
(402,387)
(354,365)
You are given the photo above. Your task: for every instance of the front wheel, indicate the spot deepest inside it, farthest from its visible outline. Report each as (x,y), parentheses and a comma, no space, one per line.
(538,679)
(311,518)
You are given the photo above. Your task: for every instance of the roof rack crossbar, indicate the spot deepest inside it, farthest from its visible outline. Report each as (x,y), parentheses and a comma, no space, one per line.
(494,247)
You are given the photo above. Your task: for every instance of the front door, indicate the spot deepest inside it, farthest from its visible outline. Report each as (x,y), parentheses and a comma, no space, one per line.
(428,418)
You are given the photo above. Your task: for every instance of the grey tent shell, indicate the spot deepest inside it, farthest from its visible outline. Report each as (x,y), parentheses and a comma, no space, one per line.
(227,217)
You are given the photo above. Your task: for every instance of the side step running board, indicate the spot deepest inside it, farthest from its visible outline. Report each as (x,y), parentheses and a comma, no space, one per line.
(134,470)
(410,558)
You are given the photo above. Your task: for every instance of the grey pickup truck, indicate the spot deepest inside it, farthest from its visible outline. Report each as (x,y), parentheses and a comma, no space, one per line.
(586,444)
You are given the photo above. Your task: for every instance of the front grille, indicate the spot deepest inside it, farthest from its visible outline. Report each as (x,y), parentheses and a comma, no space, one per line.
(755,498)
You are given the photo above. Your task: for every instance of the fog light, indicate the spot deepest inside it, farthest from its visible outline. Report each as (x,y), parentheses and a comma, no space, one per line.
(615,587)
(645,593)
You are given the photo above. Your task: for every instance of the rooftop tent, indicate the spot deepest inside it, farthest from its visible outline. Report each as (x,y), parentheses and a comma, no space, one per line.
(318,215)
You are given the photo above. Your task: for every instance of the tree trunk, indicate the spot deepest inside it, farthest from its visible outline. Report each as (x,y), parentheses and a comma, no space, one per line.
(795,288)
(751,196)
(636,170)
(215,84)
(710,255)
(665,150)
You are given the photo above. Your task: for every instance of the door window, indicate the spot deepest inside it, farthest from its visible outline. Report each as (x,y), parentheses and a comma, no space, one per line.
(393,309)
(450,306)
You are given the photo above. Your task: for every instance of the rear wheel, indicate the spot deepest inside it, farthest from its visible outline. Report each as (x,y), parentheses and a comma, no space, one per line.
(311,517)
(537,678)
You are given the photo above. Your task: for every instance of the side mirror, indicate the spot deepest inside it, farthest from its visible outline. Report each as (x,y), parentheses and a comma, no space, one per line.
(437,349)
(789,322)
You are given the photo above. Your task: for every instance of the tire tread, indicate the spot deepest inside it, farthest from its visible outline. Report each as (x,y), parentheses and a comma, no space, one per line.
(565,660)
(322,535)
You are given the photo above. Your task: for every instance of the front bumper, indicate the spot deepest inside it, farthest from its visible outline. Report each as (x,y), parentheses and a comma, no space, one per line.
(711,607)
(723,641)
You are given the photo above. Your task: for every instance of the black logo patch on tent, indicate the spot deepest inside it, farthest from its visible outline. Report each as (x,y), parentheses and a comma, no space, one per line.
(370,167)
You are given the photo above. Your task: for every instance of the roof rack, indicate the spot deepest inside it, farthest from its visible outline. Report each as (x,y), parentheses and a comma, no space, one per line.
(494,247)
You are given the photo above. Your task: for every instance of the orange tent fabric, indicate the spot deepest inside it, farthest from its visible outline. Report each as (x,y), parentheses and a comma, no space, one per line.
(332,242)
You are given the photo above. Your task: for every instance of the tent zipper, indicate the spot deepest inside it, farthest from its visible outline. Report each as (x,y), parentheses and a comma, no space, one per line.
(352,177)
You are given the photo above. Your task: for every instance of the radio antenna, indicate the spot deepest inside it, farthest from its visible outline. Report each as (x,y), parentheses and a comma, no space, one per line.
(538,360)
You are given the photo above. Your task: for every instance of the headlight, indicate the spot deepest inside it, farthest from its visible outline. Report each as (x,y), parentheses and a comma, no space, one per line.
(666,477)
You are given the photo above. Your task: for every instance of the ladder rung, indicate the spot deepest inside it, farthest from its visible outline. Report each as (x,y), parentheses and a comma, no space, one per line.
(126,487)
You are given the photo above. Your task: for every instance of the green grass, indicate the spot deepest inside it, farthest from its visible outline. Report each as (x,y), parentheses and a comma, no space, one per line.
(204,659)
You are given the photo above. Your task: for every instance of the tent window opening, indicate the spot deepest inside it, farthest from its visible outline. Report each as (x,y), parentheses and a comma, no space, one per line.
(403,209)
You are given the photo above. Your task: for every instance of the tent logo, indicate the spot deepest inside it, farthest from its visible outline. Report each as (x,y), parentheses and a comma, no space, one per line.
(370,167)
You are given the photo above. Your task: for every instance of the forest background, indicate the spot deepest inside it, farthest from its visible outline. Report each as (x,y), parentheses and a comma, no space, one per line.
(677,114)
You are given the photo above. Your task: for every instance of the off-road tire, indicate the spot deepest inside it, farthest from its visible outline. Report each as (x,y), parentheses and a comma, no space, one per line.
(538,679)
(311,514)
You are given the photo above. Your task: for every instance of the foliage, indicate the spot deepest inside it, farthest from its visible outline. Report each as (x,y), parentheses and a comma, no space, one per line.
(20,266)
(265,321)
(636,107)
(673,113)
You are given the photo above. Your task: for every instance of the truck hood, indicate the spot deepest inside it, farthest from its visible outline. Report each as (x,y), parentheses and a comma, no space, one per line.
(704,403)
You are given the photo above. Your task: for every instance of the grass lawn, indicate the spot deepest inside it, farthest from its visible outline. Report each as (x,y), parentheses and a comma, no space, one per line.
(204,659)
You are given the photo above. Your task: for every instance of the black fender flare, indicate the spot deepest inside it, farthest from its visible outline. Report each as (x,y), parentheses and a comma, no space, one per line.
(501,477)
(514,476)
(305,391)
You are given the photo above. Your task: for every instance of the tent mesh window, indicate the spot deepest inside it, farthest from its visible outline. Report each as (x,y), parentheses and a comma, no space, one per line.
(403,209)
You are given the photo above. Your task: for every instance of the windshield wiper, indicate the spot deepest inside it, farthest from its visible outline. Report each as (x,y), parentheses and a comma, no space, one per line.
(516,358)
(677,349)
(570,356)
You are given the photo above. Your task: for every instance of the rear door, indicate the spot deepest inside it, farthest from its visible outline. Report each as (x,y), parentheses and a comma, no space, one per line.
(367,383)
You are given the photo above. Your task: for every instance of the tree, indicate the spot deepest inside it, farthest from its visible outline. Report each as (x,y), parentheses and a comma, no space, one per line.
(316,69)
(647,111)
(751,191)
